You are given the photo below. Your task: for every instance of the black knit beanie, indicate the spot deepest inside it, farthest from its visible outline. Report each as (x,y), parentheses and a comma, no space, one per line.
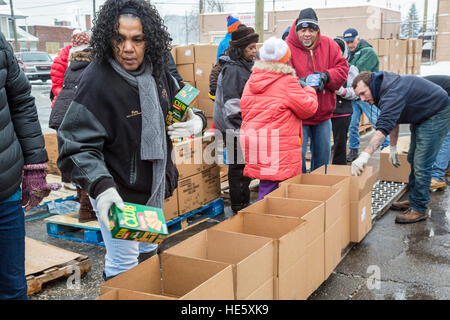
(341,43)
(307,19)
(243,36)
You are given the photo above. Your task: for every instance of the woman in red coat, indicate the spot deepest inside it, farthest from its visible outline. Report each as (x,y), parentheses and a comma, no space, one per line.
(59,67)
(273,105)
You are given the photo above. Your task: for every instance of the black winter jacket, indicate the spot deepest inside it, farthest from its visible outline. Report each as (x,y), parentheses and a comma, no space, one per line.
(442,81)
(405,99)
(78,62)
(100,137)
(21,139)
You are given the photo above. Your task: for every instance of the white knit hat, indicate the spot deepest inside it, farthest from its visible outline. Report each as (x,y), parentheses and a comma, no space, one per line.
(275,50)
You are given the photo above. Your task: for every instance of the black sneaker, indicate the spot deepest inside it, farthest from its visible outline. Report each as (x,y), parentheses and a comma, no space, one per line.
(352,155)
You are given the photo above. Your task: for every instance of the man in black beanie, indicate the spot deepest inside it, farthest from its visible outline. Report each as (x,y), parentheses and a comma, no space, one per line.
(319,61)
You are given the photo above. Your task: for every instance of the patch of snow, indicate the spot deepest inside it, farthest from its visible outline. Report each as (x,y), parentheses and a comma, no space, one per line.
(442,67)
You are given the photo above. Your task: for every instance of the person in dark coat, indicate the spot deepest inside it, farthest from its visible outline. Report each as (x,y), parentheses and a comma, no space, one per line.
(227,111)
(79,59)
(113,139)
(420,103)
(342,115)
(22,170)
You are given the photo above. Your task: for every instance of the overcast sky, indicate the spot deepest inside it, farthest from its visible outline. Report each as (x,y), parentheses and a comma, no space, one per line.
(44,12)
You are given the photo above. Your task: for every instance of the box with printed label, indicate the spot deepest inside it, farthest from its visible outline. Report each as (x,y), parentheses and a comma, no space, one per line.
(181,103)
(138,223)
(170,208)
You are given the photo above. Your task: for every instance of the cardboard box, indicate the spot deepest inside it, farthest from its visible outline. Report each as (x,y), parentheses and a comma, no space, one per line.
(360,191)
(390,173)
(124,294)
(198,190)
(418,46)
(311,211)
(315,267)
(383,47)
(332,198)
(165,275)
(193,156)
(360,218)
(185,54)
(203,86)
(345,224)
(384,63)
(264,292)
(374,44)
(209,122)
(417,60)
(206,53)
(416,70)
(359,185)
(287,233)
(51,145)
(202,71)
(333,239)
(251,257)
(173,52)
(410,60)
(170,208)
(186,72)
(293,284)
(138,223)
(207,106)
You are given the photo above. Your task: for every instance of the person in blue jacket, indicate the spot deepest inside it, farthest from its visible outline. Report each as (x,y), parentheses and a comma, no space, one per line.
(232,24)
(426,107)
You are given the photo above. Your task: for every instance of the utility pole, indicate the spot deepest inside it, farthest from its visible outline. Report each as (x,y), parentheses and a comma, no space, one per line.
(201,6)
(16,43)
(425,14)
(93,9)
(259,19)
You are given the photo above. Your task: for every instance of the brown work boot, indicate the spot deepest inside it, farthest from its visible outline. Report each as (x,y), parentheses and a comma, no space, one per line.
(400,205)
(410,216)
(86,213)
(437,185)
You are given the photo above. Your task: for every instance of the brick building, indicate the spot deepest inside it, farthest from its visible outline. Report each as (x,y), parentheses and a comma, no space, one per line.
(443,37)
(51,38)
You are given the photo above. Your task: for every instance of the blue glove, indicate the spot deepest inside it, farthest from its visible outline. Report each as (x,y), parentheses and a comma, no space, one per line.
(313,80)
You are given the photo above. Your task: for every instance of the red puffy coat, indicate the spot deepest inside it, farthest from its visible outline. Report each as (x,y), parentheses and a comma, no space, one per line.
(325,55)
(58,69)
(273,105)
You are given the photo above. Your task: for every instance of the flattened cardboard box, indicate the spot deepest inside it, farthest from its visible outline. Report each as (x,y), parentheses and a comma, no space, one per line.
(250,256)
(311,211)
(332,198)
(194,155)
(177,277)
(198,190)
(287,233)
(185,54)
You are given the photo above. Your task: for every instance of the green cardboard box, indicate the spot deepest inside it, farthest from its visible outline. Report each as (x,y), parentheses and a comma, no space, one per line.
(138,223)
(182,102)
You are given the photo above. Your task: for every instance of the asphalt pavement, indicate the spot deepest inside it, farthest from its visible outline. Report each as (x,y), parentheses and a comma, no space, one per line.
(393,262)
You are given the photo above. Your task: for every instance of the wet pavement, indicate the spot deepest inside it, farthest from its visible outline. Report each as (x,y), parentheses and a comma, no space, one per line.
(393,262)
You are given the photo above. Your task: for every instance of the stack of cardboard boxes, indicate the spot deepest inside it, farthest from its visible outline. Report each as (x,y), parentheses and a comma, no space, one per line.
(282,247)
(194,64)
(400,56)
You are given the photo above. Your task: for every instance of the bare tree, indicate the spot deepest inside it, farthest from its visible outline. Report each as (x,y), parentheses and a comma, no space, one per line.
(215,6)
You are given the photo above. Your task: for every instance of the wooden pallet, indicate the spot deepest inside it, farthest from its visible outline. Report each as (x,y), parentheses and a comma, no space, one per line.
(45,263)
(68,227)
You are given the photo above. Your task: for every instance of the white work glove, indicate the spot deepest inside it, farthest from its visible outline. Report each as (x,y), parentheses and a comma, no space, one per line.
(104,202)
(393,156)
(359,164)
(341,91)
(192,125)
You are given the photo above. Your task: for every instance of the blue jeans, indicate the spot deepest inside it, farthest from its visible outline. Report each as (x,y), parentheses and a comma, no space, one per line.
(13,284)
(121,255)
(372,112)
(426,140)
(442,162)
(320,136)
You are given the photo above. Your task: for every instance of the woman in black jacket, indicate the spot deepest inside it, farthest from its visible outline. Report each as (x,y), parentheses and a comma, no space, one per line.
(227,110)
(113,139)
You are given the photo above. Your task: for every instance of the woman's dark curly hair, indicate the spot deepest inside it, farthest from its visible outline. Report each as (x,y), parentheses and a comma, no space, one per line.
(156,37)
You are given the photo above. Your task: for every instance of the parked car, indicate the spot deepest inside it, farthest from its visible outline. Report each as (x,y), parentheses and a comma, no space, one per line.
(35,64)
